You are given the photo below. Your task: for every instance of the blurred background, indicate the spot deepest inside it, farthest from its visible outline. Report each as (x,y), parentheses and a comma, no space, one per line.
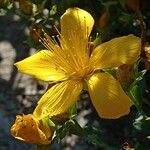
(19,93)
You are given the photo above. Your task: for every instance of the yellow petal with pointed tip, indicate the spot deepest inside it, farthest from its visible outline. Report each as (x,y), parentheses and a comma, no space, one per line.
(41,66)
(107,96)
(76,26)
(29,129)
(76,21)
(58,99)
(118,51)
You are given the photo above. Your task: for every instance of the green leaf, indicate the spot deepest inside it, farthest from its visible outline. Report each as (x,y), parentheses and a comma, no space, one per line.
(93,135)
(135,89)
(69,127)
(53,11)
(142,124)
(61,133)
(3,12)
(49,122)
(125,18)
(72,111)
(139,75)
(74,128)
(136,95)
(5,3)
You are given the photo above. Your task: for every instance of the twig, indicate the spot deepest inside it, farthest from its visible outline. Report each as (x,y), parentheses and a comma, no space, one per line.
(143,32)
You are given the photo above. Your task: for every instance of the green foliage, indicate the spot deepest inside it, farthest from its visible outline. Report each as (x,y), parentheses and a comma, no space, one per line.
(135,89)
(89,134)
(5,6)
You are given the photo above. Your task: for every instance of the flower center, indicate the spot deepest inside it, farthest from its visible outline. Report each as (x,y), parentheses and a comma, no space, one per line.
(81,73)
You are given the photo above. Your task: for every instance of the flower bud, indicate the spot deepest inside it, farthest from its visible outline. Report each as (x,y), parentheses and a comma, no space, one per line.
(31,130)
(103,20)
(133,5)
(125,74)
(26,7)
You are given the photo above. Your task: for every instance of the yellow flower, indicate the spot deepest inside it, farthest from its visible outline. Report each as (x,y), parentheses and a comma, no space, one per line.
(70,65)
(31,130)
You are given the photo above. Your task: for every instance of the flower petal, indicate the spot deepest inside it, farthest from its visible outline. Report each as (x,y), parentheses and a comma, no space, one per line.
(76,26)
(107,96)
(41,66)
(58,99)
(118,51)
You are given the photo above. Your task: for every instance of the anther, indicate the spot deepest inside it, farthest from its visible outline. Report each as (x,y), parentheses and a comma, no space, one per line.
(90,38)
(97,35)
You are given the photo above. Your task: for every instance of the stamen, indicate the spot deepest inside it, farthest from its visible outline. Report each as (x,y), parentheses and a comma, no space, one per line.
(45,40)
(90,39)
(57,30)
(52,44)
(53,37)
(49,39)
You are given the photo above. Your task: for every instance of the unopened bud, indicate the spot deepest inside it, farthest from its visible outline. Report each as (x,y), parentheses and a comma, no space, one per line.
(133,5)
(26,7)
(102,22)
(29,129)
(125,74)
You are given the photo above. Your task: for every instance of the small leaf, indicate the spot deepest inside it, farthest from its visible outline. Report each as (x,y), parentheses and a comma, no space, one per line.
(49,121)
(93,136)
(72,111)
(69,127)
(142,124)
(125,18)
(135,94)
(53,11)
(74,128)
(61,133)
(139,75)
(135,89)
